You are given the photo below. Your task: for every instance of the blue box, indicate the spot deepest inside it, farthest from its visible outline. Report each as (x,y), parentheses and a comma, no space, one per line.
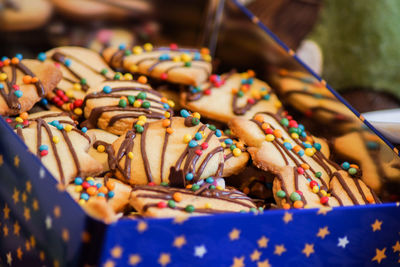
(40,224)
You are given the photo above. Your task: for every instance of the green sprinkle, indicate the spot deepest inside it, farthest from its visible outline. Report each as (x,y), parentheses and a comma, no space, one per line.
(295,196)
(352,171)
(146,104)
(131,99)
(285,122)
(281,194)
(232,147)
(189,208)
(83,81)
(318,174)
(104,71)
(171,203)
(195,121)
(122,103)
(117,76)
(142,95)
(211,187)
(195,187)
(139,128)
(164,184)
(212,127)
(253,210)
(240,93)
(188,64)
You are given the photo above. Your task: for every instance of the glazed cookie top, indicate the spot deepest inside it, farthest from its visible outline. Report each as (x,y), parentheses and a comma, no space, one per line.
(173,64)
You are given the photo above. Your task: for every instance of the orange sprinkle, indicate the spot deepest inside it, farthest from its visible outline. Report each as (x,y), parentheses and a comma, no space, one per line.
(177,197)
(235,90)
(7,62)
(277,133)
(204,51)
(309,139)
(91,190)
(286,206)
(240,145)
(259,118)
(14,60)
(354,166)
(24,115)
(189,186)
(35,79)
(103,190)
(305,166)
(283,72)
(27,79)
(251,73)
(370,199)
(298,204)
(166,123)
(244,88)
(246,190)
(110,185)
(164,99)
(264,126)
(142,79)
(124,98)
(170,130)
(297,149)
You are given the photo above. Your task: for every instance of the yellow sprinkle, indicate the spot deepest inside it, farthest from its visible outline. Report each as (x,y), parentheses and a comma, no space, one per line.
(19,119)
(315,189)
(269,137)
(148,47)
(167,114)
(278,104)
(286,140)
(70,93)
(78,188)
(263,93)
(207,58)
(176,59)
(81,201)
(90,178)
(137,104)
(78,111)
(196,115)
(207,206)
(314,149)
(171,103)
(219,187)
(141,123)
(237,152)
(56,139)
(295,135)
(77,87)
(244,75)
(133,68)
(186,57)
(119,74)
(137,50)
(128,77)
(323,192)
(130,155)
(309,152)
(255,94)
(68,128)
(223,144)
(142,118)
(101,148)
(187,138)
(3,76)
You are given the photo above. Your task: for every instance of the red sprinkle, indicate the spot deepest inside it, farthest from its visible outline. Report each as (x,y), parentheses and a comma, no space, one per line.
(56,99)
(207,92)
(60,93)
(173,46)
(71,106)
(85,185)
(313,183)
(78,102)
(251,101)
(218,83)
(300,170)
(164,76)
(198,152)
(65,98)
(299,192)
(44,153)
(213,78)
(324,200)
(293,123)
(151,184)
(161,204)
(8,120)
(204,145)
(289,117)
(25,123)
(269,131)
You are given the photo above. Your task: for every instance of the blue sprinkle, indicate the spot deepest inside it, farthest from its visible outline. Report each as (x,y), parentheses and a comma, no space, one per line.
(54,123)
(267,97)
(98,185)
(244,81)
(317,146)
(307,145)
(18,93)
(19,56)
(67,62)
(189,176)
(193,143)
(303,134)
(101,195)
(84,196)
(91,182)
(121,46)
(198,136)
(288,145)
(301,153)
(1,86)
(43,147)
(84,129)
(185,113)
(78,181)
(250,81)
(60,127)
(107,89)
(345,165)
(44,101)
(166,106)
(4,58)
(210,180)
(218,133)
(301,127)
(164,57)
(372,145)
(111,194)
(196,56)
(42,56)
(228,141)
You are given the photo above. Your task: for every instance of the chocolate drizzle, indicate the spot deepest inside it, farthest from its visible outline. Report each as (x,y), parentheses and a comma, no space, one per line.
(9,97)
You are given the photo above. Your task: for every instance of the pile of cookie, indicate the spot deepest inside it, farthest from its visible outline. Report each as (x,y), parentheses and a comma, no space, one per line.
(105,126)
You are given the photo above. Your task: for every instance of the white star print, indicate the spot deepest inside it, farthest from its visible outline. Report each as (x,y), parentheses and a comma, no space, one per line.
(48,222)
(343,242)
(199,251)
(9,258)
(41,173)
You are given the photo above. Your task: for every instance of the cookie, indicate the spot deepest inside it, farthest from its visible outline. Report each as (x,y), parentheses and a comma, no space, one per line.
(231,95)
(81,68)
(116,105)
(113,191)
(107,37)
(23,82)
(101,147)
(61,147)
(311,97)
(164,201)
(172,64)
(235,156)
(378,162)
(177,151)
(22,15)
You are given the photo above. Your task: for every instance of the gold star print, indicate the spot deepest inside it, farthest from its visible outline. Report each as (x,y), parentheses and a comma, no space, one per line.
(134,259)
(41,255)
(234,234)
(255,256)
(116,252)
(24,197)
(27,213)
(376,226)
(56,263)
(263,263)
(279,249)
(287,217)
(322,232)
(5,230)
(164,259)
(141,227)
(324,210)
(180,219)
(15,196)
(85,237)
(263,242)
(6,211)
(16,161)
(308,250)
(35,205)
(17,228)
(19,253)
(238,262)
(57,211)
(28,185)
(9,258)
(65,235)
(396,247)
(179,241)
(33,241)
(60,187)
(27,245)
(109,263)
(380,255)
(1,160)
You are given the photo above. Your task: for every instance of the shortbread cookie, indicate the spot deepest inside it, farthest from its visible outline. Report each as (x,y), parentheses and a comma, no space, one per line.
(82,68)
(101,147)
(23,82)
(164,201)
(172,64)
(180,151)
(116,105)
(61,147)
(107,37)
(112,190)
(22,15)
(99,209)
(311,97)
(378,162)
(231,95)
(235,156)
